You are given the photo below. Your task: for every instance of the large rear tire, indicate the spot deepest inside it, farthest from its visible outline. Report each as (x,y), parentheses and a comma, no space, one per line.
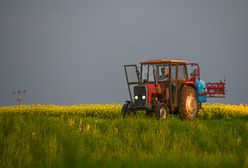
(188,103)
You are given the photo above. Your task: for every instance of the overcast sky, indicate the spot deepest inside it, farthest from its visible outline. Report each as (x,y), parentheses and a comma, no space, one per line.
(71,52)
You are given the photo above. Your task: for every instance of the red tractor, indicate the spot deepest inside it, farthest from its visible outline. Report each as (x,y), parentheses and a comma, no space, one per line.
(168,87)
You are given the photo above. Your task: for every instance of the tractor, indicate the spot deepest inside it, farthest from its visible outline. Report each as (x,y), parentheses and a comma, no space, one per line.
(164,87)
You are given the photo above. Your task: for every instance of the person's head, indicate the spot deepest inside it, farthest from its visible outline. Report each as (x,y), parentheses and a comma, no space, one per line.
(164,71)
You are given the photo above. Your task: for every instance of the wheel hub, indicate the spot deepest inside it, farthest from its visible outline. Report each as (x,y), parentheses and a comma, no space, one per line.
(191,105)
(162,112)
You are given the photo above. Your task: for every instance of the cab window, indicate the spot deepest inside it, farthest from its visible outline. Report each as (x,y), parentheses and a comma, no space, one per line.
(147,73)
(173,72)
(181,72)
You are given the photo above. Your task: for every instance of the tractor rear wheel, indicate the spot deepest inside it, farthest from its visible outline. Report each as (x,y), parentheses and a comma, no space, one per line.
(162,111)
(188,103)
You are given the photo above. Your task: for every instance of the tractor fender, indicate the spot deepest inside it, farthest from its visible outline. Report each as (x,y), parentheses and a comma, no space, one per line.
(189,84)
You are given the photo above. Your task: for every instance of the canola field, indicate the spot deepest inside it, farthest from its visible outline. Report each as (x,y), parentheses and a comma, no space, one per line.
(209,111)
(96,135)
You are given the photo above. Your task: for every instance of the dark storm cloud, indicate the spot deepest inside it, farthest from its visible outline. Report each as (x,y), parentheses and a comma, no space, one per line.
(73,52)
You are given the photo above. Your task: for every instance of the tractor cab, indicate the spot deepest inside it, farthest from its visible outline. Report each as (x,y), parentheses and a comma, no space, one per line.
(165,86)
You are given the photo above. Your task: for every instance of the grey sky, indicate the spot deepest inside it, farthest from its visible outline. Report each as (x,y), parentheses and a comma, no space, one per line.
(71,52)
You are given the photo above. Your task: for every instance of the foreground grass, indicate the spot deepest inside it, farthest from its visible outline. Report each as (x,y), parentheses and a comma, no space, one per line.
(73,140)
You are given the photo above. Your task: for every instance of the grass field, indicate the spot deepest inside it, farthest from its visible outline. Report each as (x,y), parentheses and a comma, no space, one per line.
(97,136)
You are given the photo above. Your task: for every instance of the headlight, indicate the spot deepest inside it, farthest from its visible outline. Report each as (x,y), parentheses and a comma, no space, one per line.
(136,97)
(143,97)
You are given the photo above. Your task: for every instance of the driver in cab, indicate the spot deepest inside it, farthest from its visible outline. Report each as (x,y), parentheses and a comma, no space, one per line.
(164,74)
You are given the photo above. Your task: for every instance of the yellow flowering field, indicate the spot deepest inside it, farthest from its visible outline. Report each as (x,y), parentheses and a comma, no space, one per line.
(209,111)
(85,110)
(227,111)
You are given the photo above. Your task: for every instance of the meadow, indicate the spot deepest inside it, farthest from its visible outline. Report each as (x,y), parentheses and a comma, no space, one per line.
(96,135)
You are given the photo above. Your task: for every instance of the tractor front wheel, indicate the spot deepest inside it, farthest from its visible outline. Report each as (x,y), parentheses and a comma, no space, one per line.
(127,109)
(189,103)
(162,111)
(124,109)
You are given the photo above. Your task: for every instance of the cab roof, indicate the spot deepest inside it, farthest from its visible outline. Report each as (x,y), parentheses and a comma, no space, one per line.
(163,61)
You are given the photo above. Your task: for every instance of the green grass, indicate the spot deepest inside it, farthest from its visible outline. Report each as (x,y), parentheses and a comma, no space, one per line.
(37,140)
